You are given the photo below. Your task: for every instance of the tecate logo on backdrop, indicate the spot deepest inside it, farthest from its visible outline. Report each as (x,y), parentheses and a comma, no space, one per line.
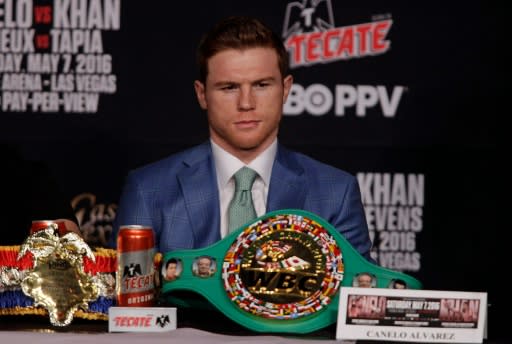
(311,37)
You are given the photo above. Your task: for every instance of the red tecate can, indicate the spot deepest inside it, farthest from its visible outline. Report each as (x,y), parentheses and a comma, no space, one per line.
(39,225)
(135,268)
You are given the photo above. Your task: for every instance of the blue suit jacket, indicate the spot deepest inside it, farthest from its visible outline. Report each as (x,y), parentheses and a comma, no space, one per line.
(178,198)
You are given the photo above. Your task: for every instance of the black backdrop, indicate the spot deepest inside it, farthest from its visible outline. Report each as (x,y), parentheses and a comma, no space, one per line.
(435,142)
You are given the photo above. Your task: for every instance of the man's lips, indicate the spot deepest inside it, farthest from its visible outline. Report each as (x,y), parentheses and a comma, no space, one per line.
(247,124)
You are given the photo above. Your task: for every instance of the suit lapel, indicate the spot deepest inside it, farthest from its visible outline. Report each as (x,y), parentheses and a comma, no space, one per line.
(288,185)
(199,188)
(198,182)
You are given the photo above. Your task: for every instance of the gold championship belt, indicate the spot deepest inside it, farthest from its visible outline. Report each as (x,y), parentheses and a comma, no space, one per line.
(58,276)
(280,273)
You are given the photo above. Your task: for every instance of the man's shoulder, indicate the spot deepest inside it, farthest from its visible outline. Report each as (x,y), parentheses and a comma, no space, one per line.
(174,162)
(312,166)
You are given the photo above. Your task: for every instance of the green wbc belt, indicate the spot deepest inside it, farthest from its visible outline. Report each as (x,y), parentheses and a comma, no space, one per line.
(280,273)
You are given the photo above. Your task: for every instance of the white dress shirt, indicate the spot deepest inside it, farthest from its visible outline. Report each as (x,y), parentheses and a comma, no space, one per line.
(226,166)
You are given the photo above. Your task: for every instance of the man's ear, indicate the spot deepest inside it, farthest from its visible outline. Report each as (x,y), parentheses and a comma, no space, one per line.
(287,85)
(200,94)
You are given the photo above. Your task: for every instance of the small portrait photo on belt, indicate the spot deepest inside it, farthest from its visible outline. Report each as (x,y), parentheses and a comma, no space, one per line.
(172,268)
(364,280)
(397,284)
(204,266)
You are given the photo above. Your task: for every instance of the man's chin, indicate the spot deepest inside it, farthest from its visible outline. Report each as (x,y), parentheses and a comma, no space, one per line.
(251,144)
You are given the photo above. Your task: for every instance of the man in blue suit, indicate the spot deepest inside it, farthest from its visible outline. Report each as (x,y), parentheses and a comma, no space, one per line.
(243,83)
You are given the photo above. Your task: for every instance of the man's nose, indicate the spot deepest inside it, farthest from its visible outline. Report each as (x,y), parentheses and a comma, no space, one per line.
(246,99)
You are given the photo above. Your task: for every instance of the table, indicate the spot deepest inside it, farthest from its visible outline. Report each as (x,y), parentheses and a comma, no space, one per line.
(209,327)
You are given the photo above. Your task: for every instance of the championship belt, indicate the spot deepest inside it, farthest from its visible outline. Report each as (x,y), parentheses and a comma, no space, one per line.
(280,273)
(57,276)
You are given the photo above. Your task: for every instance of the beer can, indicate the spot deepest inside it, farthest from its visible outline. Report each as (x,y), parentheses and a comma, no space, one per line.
(135,268)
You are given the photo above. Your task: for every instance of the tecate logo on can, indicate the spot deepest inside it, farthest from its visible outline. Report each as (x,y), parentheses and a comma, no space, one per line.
(136,278)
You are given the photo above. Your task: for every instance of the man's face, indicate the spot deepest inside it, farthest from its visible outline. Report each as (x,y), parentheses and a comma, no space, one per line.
(365,281)
(244,96)
(399,285)
(171,270)
(203,266)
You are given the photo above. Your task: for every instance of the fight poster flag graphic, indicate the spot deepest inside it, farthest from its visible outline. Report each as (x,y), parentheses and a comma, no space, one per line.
(52,54)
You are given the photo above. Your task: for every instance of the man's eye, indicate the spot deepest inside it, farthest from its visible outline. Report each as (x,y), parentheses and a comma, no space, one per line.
(262,84)
(228,87)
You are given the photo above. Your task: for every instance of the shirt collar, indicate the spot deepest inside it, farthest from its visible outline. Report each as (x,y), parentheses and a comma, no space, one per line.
(226,164)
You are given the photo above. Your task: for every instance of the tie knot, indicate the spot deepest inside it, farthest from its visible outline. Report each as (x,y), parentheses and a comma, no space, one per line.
(244,178)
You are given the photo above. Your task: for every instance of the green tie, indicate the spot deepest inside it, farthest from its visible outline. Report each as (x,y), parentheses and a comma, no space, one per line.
(241,210)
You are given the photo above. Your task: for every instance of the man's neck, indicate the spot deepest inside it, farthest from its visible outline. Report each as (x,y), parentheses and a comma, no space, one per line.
(244,155)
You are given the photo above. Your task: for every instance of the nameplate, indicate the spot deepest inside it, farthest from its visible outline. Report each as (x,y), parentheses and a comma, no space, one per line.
(406,315)
(141,319)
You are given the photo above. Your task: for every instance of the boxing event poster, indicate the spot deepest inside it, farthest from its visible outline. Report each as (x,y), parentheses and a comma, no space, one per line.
(411,315)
